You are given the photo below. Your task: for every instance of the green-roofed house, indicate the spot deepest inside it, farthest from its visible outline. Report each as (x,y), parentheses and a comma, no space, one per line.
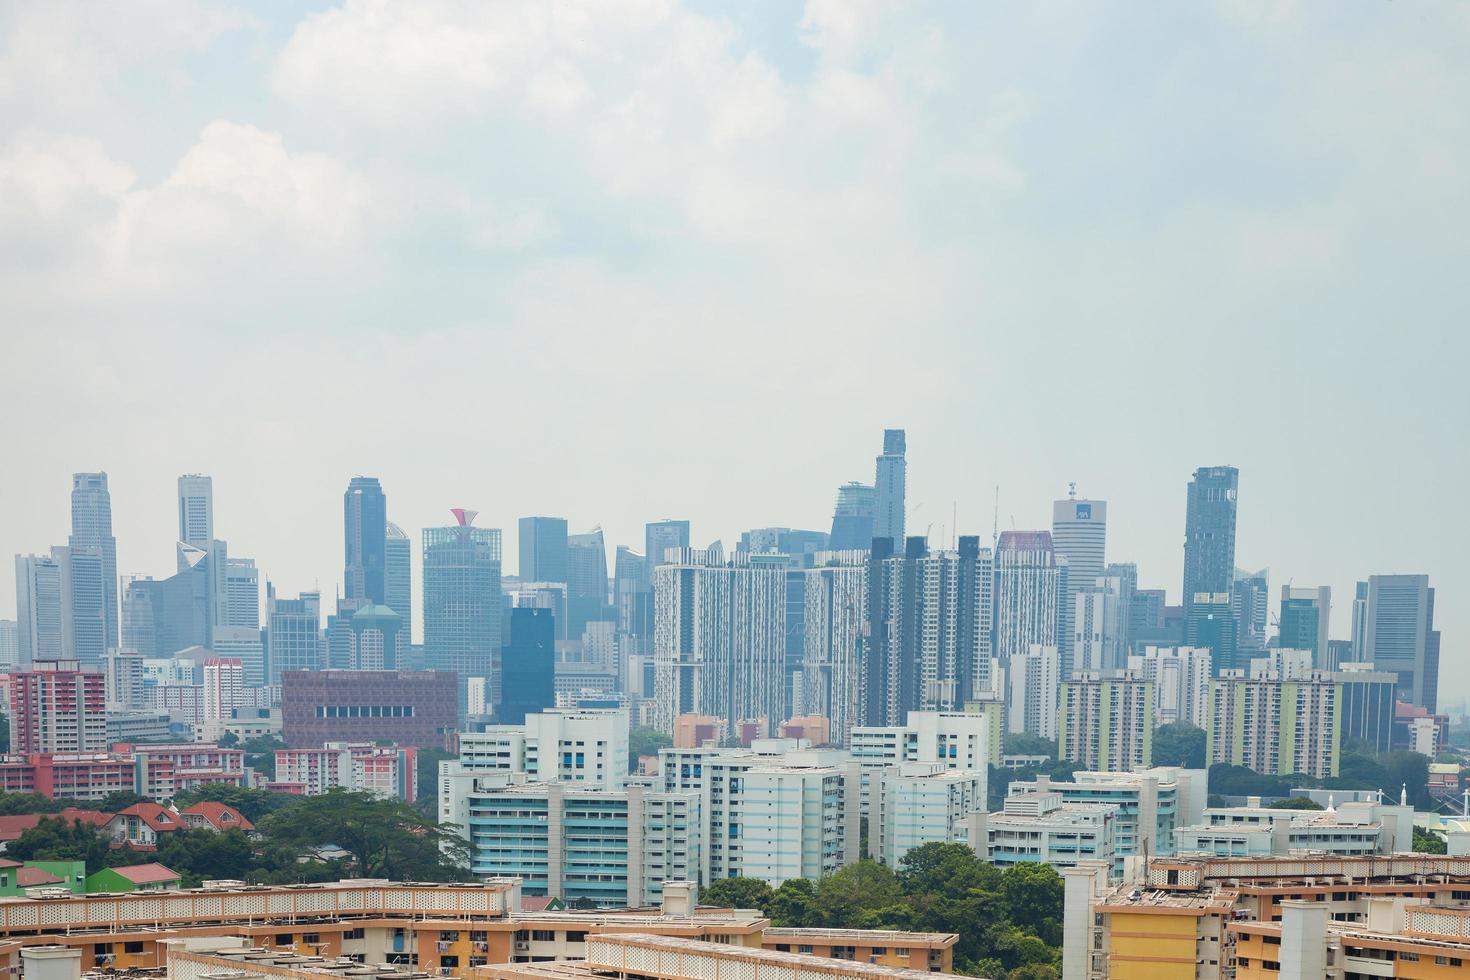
(16,876)
(132,878)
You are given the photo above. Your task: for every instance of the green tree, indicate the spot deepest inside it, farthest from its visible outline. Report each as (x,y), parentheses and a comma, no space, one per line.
(1033,898)
(121,799)
(791,904)
(426,773)
(229,740)
(1179,744)
(386,838)
(253,804)
(260,754)
(15,804)
(1297,803)
(201,855)
(1407,770)
(59,839)
(1428,842)
(1228,780)
(1020,743)
(1035,971)
(945,870)
(645,741)
(738,893)
(848,896)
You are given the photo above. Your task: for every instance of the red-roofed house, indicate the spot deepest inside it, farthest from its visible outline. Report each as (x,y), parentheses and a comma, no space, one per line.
(12,827)
(141,824)
(137,877)
(210,815)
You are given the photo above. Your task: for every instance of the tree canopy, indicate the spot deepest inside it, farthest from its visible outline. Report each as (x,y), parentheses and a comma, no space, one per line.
(643,740)
(1179,744)
(386,838)
(1297,803)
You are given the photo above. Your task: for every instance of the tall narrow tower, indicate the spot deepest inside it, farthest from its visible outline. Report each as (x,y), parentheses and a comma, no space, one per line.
(365,526)
(889,484)
(1079,534)
(91,530)
(196,510)
(1209,532)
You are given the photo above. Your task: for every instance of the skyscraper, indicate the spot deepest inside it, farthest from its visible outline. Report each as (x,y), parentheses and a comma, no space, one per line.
(660,536)
(1399,635)
(888,484)
(928,646)
(633,601)
(462,600)
(1250,598)
(377,637)
(365,526)
(834,625)
(9,644)
(586,581)
(543,544)
(57,707)
(1079,534)
(1027,593)
(398,579)
(242,595)
(720,638)
(1211,623)
(196,510)
(293,632)
(39,608)
(83,616)
(1209,532)
(852,519)
(1302,624)
(91,529)
(528,666)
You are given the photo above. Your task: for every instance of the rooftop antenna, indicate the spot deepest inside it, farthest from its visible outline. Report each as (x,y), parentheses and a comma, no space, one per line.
(954,524)
(995,519)
(1072,490)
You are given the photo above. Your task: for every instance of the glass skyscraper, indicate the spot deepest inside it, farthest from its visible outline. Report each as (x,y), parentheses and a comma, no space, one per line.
(543,548)
(91,529)
(1209,532)
(889,486)
(365,531)
(398,579)
(852,519)
(462,600)
(528,666)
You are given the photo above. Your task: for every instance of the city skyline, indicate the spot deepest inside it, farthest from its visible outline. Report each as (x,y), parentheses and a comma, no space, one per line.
(720,276)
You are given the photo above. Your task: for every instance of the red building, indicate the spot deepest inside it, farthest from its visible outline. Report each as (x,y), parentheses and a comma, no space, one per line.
(410,707)
(156,771)
(58,707)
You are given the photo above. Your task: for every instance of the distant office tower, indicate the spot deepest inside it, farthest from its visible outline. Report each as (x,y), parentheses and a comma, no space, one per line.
(163,617)
(1399,635)
(543,542)
(1276,727)
(1125,576)
(398,578)
(720,638)
(528,667)
(1181,679)
(1359,639)
(377,639)
(834,624)
(196,510)
(39,606)
(246,645)
(889,489)
(9,645)
(551,596)
(1209,532)
(293,631)
(365,530)
(122,674)
(586,582)
(57,707)
(1027,593)
(91,529)
(1303,621)
(1079,535)
(462,600)
(1033,678)
(241,596)
(1210,622)
(84,616)
(1145,619)
(633,601)
(1099,626)
(660,536)
(853,519)
(408,707)
(1367,711)
(798,544)
(929,642)
(1250,598)
(1106,722)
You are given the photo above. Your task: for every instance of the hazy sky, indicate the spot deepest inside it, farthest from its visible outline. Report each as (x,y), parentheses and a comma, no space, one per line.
(627,260)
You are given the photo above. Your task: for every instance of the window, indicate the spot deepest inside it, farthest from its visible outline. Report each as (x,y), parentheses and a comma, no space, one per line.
(449,961)
(356,933)
(311,938)
(576,937)
(803,948)
(284,939)
(543,935)
(133,947)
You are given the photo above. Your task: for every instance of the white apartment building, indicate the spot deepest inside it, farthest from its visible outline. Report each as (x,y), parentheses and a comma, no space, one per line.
(1033,679)
(573,745)
(1181,680)
(1043,828)
(922,802)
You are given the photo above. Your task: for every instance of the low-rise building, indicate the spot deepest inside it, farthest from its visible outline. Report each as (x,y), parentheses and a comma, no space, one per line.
(387,771)
(1349,830)
(1041,828)
(132,878)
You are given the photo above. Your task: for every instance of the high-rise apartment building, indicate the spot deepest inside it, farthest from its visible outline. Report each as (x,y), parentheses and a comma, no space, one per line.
(40,606)
(1302,624)
(1079,535)
(720,638)
(1276,726)
(365,532)
(398,578)
(853,518)
(660,536)
(57,707)
(1106,721)
(196,510)
(91,530)
(1399,635)
(1033,679)
(1209,532)
(543,549)
(1028,587)
(889,488)
(462,603)
(1181,679)
(294,633)
(834,626)
(928,646)
(528,666)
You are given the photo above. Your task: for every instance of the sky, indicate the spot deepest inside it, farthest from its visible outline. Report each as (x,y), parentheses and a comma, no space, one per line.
(632,259)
